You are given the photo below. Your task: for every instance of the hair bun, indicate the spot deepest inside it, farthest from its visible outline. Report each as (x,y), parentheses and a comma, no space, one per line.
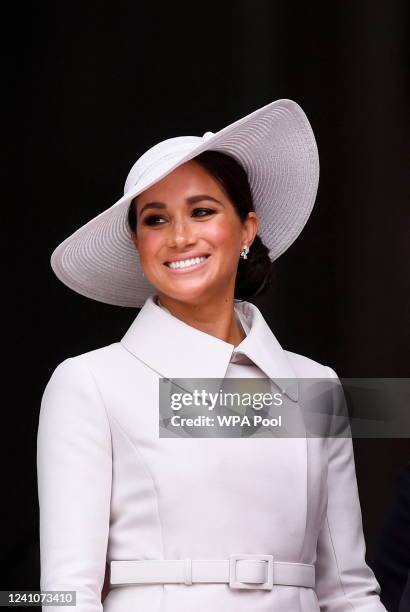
(254,273)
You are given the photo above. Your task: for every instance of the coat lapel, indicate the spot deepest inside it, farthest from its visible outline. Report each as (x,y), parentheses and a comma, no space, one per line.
(174,349)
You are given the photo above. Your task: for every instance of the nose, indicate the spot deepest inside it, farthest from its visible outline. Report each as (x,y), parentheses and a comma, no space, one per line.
(181,234)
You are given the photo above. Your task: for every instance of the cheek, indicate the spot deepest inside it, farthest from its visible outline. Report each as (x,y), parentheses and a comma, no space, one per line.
(148,244)
(222,234)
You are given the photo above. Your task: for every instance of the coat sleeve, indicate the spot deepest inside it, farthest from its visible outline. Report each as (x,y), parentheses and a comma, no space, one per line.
(74,469)
(344,582)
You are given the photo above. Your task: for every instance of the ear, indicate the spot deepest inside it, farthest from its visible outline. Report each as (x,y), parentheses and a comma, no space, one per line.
(250,228)
(134,239)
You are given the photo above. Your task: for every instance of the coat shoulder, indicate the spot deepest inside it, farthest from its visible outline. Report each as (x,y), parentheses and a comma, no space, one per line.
(101,354)
(102,360)
(309,368)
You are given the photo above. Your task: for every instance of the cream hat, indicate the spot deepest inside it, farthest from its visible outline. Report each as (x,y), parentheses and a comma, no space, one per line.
(276,147)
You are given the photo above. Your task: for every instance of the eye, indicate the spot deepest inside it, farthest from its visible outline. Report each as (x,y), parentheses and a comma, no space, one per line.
(155,219)
(151,220)
(207,211)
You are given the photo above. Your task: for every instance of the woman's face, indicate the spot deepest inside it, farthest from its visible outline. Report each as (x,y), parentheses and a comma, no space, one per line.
(187,215)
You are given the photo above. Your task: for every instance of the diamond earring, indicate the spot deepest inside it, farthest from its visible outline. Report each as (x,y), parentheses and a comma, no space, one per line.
(245,251)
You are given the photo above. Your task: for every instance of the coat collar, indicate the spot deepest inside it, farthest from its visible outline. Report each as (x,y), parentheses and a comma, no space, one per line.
(175,349)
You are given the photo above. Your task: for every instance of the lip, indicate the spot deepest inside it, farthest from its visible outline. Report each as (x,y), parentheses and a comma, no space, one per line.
(186,256)
(191,268)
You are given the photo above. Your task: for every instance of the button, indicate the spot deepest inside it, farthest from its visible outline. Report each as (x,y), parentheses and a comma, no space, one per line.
(208,135)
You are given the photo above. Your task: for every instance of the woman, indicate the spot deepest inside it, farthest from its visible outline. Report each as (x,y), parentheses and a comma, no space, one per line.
(250,523)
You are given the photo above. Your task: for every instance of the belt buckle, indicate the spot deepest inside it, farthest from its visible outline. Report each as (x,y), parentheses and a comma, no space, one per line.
(234,584)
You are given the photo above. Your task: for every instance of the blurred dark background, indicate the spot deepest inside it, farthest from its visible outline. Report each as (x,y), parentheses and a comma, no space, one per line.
(90,86)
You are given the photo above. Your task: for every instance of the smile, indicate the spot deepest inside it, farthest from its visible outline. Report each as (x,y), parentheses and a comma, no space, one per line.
(186,264)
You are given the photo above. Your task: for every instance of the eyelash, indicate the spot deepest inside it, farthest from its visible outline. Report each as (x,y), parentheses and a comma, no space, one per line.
(150,220)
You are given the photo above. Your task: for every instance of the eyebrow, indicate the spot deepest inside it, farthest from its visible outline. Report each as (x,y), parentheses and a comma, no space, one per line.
(190,200)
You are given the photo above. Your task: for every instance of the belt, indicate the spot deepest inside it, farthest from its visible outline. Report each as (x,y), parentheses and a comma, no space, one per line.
(239,571)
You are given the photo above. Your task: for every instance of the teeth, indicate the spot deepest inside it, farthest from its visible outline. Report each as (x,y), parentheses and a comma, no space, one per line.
(185,263)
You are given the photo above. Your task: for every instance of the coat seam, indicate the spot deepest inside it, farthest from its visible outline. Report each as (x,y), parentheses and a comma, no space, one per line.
(331,538)
(150,476)
(305,535)
(148,472)
(91,374)
(345,595)
(102,401)
(110,418)
(337,565)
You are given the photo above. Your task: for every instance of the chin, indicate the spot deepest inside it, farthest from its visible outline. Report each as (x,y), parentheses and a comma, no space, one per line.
(190,296)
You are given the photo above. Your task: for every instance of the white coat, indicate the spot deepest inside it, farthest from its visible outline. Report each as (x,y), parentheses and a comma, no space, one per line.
(111,489)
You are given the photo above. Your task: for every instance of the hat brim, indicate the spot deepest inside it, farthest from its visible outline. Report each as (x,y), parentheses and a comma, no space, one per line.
(276,146)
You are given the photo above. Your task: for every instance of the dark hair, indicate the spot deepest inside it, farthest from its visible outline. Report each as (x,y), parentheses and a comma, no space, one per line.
(254,273)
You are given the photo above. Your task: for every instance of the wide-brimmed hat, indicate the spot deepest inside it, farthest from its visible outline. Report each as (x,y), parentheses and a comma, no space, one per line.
(274,144)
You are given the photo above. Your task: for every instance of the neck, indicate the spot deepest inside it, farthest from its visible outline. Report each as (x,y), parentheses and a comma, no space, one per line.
(216,318)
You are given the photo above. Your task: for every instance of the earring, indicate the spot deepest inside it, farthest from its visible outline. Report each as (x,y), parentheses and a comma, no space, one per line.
(245,251)
(142,273)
